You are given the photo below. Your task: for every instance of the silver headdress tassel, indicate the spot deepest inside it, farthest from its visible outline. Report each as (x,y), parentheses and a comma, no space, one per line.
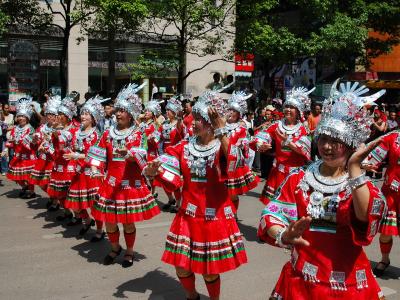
(344,116)
(154,107)
(174,104)
(298,97)
(24,107)
(129,101)
(94,107)
(68,107)
(238,102)
(207,99)
(52,105)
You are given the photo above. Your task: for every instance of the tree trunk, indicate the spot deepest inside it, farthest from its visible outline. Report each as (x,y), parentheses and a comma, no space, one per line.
(64,64)
(111,60)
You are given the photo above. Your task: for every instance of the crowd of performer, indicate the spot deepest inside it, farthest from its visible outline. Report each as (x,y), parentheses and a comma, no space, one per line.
(104,163)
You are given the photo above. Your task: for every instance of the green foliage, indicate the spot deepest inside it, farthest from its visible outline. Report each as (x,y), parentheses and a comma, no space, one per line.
(281,31)
(27,14)
(151,64)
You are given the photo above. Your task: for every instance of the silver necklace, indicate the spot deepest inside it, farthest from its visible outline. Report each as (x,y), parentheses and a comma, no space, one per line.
(200,156)
(167,128)
(81,136)
(19,132)
(118,136)
(232,126)
(321,186)
(288,130)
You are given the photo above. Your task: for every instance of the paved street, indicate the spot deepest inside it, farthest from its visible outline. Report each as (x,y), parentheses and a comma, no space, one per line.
(42,259)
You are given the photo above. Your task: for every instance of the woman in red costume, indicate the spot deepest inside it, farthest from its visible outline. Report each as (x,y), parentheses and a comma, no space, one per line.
(124,196)
(83,190)
(64,169)
(41,142)
(150,127)
(326,212)
(172,131)
(389,147)
(204,237)
(238,135)
(292,145)
(20,140)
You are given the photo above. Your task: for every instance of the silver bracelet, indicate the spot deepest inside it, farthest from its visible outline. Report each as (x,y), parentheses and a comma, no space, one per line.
(357,181)
(278,239)
(220,131)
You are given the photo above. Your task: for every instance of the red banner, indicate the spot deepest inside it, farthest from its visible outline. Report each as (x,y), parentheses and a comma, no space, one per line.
(244,63)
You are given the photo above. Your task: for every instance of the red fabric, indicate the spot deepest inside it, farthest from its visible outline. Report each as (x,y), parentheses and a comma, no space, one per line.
(213,287)
(386,247)
(175,135)
(83,189)
(152,143)
(291,286)
(130,239)
(113,237)
(84,214)
(329,237)
(123,195)
(24,157)
(188,283)
(99,225)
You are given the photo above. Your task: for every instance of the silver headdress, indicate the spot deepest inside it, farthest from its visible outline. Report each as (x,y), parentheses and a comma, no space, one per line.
(207,99)
(298,97)
(344,116)
(52,105)
(24,107)
(94,107)
(154,107)
(174,104)
(68,107)
(238,102)
(129,101)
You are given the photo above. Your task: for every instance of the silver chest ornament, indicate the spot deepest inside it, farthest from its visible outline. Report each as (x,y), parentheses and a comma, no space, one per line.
(199,157)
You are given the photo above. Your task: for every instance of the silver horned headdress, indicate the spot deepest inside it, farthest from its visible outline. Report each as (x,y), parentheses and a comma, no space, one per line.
(238,102)
(298,97)
(24,107)
(344,115)
(154,107)
(52,105)
(209,99)
(94,107)
(68,107)
(129,101)
(174,104)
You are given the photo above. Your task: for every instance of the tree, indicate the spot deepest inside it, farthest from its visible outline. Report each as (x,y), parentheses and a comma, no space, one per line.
(115,19)
(193,27)
(336,32)
(23,15)
(72,12)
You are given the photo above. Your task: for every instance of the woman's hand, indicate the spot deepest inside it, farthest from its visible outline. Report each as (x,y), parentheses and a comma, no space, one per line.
(293,234)
(70,156)
(361,153)
(152,169)
(121,151)
(263,147)
(216,120)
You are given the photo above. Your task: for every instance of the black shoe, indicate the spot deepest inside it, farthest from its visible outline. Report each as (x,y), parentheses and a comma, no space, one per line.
(108,260)
(197,298)
(155,195)
(128,260)
(96,239)
(167,206)
(379,272)
(86,227)
(64,217)
(22,193)
(74,221)
(53,208)
(174,209)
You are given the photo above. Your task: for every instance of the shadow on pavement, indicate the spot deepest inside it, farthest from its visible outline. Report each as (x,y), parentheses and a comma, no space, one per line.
(12,193)
(95,252)
(391,272)
(249,232)
(158,282)
(253,194)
